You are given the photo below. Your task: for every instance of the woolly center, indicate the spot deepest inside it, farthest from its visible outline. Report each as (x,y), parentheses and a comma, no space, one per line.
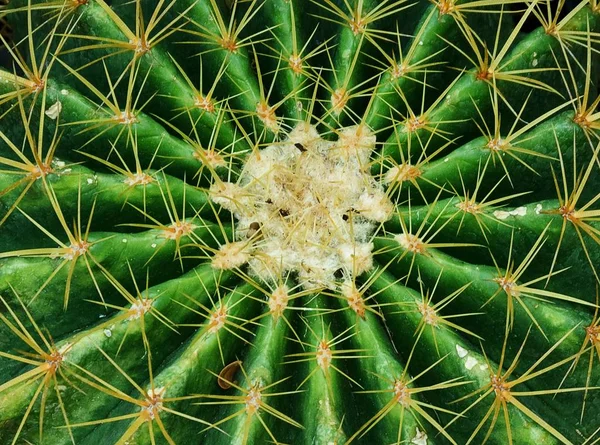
(309,206)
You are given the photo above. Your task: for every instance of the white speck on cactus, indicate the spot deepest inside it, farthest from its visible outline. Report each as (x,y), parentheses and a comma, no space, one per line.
(54,110)
(519,211)
(470,362)
(462,352)
(420,438)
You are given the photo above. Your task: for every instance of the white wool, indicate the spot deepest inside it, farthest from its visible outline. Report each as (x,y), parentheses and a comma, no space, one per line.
(356,257)
(231,256)
(308,206)
(375,205)
(229,196)
(401,173)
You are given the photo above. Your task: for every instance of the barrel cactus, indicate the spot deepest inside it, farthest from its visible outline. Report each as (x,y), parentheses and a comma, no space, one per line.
(286,221)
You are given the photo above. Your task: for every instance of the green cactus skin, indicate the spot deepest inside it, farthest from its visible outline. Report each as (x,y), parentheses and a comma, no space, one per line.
(304,222)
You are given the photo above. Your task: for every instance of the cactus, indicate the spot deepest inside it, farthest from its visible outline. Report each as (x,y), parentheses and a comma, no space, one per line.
(286,221)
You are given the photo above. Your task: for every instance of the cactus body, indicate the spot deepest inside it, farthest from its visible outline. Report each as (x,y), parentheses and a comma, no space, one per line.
(276,221)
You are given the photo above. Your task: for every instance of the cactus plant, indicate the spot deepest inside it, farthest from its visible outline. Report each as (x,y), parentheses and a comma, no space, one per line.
(285,221)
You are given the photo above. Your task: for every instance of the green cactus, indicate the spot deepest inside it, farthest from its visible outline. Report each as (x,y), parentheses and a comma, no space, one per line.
(293,221)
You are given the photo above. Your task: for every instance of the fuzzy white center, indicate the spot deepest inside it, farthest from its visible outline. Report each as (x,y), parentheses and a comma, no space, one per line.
(308,206)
